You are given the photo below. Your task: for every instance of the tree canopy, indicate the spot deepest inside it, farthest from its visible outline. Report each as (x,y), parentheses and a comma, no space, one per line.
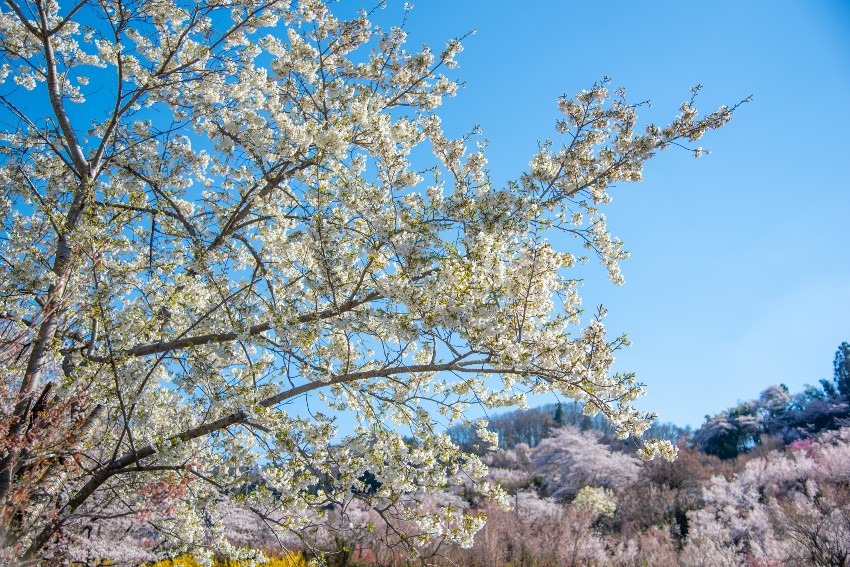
(778,415)
(225,221)
(842,369)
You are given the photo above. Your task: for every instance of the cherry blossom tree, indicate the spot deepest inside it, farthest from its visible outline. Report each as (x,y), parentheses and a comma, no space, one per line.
(215,238)
(572,459)
(537,531)
(787,508)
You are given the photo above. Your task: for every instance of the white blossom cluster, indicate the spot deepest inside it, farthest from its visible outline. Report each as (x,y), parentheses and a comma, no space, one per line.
(596,501)
(786,508)
(232,224)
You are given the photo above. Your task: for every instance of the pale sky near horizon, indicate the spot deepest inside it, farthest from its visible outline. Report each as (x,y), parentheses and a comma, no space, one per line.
(740,273)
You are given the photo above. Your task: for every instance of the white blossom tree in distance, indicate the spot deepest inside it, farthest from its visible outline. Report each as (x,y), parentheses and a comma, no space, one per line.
(225,221)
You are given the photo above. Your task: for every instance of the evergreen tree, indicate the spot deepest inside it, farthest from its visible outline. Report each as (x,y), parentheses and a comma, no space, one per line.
(559,414)
(828,388)
(842,369)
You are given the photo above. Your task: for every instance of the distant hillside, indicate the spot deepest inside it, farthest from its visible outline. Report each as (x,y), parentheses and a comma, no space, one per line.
(775,417)
(533,425)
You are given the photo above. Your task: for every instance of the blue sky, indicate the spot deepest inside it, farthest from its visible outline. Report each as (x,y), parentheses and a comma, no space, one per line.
(740,271)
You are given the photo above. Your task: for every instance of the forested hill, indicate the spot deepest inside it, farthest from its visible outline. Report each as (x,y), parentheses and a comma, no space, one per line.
(533,425)
(775,417)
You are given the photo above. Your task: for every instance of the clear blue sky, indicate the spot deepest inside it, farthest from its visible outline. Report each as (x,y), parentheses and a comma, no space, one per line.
(740,268)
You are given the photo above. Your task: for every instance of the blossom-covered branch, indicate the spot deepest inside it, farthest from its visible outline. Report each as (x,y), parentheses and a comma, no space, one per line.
(255,223)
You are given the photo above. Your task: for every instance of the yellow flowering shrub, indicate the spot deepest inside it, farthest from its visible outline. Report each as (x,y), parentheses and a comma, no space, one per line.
(294,559)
